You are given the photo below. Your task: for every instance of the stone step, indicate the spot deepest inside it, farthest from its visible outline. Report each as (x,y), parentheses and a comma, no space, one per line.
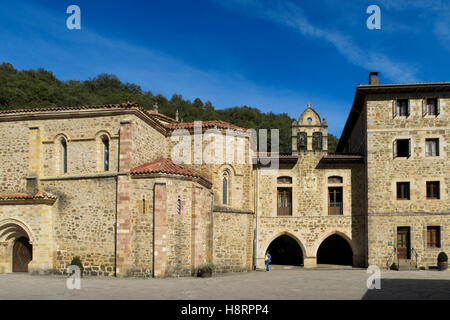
(407,264)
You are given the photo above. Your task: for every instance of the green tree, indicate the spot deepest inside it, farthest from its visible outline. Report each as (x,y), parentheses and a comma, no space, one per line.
(40,88)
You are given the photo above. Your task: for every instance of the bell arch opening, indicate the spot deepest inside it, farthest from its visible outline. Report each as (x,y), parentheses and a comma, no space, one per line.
(285,250)
(335,250)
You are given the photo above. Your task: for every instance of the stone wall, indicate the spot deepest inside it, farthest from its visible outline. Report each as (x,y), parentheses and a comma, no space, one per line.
(233,159)
(386,213)
(83,223)
(14,154)
(310,222)
(181,241)
(383,228)
(233,241)
(150,144)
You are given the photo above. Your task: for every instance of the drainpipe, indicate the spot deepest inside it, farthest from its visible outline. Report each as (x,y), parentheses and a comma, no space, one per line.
(255,236)
(115,226)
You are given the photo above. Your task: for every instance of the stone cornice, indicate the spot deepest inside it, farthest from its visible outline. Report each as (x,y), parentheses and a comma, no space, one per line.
(406,214)
(198,180)
(23,198)
(80,177)
(220,209)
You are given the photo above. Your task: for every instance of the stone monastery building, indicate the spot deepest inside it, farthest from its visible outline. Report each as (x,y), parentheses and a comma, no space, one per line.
(101,183)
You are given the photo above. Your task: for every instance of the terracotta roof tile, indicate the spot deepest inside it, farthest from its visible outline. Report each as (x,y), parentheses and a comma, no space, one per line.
(166,166)
(125,105)
(160,116)
(274,154)
(205,124)
(27,196)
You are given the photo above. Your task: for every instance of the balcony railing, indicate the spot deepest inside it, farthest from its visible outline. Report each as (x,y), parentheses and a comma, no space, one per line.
(286,211)
(335,208)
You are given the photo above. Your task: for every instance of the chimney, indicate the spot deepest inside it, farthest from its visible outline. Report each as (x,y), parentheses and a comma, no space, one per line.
(177,116)
(373,78)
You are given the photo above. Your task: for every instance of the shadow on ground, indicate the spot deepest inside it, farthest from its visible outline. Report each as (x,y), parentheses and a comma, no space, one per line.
(410,289)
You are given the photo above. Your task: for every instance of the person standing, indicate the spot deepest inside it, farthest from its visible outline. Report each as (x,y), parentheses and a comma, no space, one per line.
(267,259)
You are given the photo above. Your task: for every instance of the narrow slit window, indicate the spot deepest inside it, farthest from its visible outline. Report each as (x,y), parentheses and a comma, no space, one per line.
(64,156)
(225,189)
(105,142)
(179,206)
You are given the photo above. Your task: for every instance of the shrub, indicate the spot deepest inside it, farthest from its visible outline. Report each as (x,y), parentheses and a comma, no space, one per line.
(206,267)
(442,257)
(76,261)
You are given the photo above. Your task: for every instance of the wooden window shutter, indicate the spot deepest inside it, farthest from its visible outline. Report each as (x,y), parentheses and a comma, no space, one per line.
(424,107)
(438,191)
(428,238)
(408,190)
(394,147)
(394,108)
(409,148)
(407,108)
(441,229)
(437,106)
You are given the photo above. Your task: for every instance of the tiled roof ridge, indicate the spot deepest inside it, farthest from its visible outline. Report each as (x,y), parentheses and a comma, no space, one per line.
(27,196)
(166,166)
(124,105)
(205,124)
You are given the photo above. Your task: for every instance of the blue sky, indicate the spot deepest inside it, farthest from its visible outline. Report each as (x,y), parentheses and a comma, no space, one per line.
(273,55)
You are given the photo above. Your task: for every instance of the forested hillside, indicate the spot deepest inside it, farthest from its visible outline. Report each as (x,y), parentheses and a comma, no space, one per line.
(40,88)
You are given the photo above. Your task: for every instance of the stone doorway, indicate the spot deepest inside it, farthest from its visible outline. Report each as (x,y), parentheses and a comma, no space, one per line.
(22,254)
(285,250)
(335,250)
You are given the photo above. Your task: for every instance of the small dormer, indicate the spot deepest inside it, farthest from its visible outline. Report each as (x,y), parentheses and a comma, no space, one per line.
(309,133)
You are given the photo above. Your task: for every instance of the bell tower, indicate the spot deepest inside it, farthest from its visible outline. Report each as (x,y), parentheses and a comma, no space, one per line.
(309,133)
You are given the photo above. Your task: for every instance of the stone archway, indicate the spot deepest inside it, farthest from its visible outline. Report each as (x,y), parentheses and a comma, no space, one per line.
(285,250)
(335,249)
(16,251)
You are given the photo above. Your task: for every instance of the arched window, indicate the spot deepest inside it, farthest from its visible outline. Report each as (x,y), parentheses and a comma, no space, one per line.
(63,152)
(179,206)
(225,188)
(105,143)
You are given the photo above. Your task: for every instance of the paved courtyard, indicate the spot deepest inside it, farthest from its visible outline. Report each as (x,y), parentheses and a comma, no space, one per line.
(278,284)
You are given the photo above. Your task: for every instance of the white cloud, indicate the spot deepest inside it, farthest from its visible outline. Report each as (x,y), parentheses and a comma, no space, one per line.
(288,14)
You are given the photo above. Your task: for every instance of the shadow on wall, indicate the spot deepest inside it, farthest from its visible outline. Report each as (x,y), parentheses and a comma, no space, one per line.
(410,289)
